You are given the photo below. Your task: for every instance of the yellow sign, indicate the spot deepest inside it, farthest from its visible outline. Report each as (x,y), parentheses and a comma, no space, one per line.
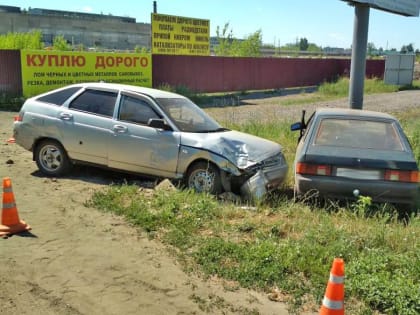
(176,35)
(46,70)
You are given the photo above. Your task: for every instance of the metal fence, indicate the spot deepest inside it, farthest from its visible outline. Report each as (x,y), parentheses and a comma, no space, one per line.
(10,72)
(219,74)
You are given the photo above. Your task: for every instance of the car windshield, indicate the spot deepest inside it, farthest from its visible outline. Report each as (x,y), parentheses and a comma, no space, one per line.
(187,116)
(356,133)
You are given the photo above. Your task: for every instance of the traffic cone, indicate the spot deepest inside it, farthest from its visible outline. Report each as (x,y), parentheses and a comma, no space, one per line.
(333,302)
(12,139)
(10,222)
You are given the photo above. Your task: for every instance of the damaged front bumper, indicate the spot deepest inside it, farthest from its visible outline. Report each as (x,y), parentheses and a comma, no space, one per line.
(264,180)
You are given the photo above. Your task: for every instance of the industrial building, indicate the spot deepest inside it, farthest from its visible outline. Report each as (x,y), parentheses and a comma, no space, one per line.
(92,31)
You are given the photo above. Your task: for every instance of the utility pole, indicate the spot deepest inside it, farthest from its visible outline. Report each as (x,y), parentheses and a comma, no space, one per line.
(358,55)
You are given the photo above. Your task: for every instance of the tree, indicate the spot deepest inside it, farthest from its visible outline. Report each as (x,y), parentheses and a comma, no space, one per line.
(371,48)
(224,41)
(229,46)
(290,47)
(407,49)
(31,40)
(314,48)
(303,44)
(251,46)
(60,43)
(141,50)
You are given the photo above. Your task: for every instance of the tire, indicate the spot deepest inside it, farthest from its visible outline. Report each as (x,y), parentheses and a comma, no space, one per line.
(51,158)
(204,177)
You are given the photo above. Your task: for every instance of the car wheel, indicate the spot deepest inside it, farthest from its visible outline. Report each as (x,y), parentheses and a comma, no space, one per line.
(51,158)
(204,177)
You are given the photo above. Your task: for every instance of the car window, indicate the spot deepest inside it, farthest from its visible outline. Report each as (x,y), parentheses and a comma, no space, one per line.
(187,116)
(355,133)
(136,110)
(96,102)
(59,97)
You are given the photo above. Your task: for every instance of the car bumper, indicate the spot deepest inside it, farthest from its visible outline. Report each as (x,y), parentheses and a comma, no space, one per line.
(264,181)
(343,188)
(24,135)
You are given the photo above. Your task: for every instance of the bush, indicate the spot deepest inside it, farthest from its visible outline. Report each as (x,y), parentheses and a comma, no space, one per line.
(10,102)
(197,98)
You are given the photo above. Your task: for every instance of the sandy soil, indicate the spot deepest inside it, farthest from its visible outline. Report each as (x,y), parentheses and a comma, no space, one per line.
(77,260)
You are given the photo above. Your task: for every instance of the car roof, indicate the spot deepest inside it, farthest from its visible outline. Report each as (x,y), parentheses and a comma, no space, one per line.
(353,113)
(155,93)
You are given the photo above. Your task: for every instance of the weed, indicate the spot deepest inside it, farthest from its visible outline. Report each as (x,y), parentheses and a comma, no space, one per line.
(284,244)
(10,102)
(198,98)
(290,247)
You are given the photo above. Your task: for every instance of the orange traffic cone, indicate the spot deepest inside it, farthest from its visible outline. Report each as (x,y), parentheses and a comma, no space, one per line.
(333,302)
(10,223)
(12,139)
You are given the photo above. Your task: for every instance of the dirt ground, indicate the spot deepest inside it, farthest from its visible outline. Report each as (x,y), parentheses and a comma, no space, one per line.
(77,260)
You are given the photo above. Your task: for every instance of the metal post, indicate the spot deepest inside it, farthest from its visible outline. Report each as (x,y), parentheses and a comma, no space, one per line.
(358,56)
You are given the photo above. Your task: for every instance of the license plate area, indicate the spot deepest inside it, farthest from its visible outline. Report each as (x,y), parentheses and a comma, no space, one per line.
(358,173)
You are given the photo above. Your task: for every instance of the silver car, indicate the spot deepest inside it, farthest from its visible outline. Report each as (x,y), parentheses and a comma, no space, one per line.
(145,131)
(344,153)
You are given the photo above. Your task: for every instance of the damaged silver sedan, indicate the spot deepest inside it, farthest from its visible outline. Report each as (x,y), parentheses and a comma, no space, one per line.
(145,131)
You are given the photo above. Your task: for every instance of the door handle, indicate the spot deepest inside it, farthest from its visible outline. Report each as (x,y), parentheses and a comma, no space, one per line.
(66,116)
(119,128)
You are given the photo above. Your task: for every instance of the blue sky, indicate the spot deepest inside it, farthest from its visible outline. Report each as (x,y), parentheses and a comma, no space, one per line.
(323,22)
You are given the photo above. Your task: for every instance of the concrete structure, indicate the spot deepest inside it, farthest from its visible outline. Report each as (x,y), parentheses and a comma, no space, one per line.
(90,30)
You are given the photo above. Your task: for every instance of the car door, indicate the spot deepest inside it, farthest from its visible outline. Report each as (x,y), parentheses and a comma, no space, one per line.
(87,125)
(137,147)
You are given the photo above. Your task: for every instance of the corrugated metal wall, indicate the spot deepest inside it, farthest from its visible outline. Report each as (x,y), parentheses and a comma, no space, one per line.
(10,72)
(219,74)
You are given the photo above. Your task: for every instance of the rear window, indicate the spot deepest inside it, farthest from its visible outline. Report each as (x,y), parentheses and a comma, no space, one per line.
(362,134)
(59,97)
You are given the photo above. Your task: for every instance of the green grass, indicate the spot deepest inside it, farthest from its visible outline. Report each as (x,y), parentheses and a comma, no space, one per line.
(326,91)
(291,246)
(284,244)
(410,121)
(341,87)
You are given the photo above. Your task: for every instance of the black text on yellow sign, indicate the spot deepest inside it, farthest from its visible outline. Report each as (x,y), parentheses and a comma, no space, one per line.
(177,35)
(46,70)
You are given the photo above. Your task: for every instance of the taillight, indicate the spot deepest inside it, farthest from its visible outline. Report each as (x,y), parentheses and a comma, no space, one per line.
(313,169)
(402,176)
(20,117)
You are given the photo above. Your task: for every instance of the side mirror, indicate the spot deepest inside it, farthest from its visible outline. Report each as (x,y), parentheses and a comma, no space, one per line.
(158,124)
(296,126)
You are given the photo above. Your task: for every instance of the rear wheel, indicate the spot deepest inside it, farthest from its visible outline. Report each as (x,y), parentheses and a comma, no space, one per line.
(51,158)
(204,177)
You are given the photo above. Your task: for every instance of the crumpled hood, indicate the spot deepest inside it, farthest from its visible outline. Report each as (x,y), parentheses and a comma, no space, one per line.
(241,149)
